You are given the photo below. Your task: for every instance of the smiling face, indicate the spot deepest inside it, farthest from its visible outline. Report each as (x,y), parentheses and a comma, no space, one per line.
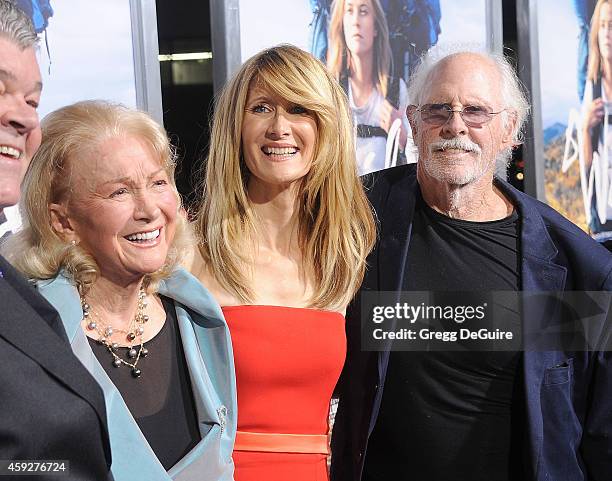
(20,87)
(122,208)
(454,153)
(278,139)
(359,26)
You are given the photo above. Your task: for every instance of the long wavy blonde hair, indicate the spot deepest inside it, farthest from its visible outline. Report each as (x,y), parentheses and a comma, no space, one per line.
(338,55)
(69,132)
(336,228)
(595,68)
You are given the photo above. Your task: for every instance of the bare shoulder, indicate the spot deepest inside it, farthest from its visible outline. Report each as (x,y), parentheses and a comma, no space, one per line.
(200,269)
(194,263)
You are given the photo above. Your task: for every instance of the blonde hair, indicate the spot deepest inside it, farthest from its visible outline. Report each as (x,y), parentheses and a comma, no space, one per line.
(338,55)
(595,67)
(68,133)
(336,228)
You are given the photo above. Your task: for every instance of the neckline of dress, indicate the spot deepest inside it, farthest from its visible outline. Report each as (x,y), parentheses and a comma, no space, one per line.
(273,306)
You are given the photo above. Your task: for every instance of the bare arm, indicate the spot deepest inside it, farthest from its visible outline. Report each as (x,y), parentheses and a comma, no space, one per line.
(593,116)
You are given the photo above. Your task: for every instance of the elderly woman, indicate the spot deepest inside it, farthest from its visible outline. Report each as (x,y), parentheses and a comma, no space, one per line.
(102,236)
(359,56)
(285,230)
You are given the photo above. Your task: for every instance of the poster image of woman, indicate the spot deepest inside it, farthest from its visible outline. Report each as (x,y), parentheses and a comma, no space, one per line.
(414,27)
(359,56)
(597,124)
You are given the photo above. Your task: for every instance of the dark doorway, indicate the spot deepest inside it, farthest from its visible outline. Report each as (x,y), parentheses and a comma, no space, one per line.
(187,90)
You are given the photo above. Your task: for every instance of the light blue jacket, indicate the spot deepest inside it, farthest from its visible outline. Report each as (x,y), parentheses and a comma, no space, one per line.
(208,353)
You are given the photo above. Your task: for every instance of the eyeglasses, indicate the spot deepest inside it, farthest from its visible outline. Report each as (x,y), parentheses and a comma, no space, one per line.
(438,114)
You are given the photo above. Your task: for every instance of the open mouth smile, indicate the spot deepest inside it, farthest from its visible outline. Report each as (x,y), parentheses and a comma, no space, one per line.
(279,152)
(10,152)
(147,237)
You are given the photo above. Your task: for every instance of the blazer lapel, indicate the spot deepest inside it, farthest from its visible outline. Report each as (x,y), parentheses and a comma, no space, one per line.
(25,329)
(395,236)
(396,220)
(131,450)
(539,274)
(205,335)
(211,413)
(31,297)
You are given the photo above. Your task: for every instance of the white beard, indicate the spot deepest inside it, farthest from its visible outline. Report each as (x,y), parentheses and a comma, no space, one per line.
(445,168)
(453,174)
(450,175)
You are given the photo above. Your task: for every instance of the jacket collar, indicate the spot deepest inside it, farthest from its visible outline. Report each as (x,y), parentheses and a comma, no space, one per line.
(180,287)
(32,330)
(538,268)
(396,222)
(395,233)
(203,326)
(539,273)
(61,292)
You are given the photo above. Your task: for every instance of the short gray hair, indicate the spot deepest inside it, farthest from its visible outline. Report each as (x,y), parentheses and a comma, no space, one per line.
(513,93)
(15,26)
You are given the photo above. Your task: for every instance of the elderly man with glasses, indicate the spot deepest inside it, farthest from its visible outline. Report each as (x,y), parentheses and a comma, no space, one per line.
(537,408)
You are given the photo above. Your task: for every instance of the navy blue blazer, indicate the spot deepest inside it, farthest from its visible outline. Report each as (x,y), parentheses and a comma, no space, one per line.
(568,393)
(50,406)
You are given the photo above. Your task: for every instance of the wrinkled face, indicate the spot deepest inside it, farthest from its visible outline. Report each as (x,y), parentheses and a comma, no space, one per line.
(20,87)
(278,138)
(455,153)
(122,208)
(359,26)
(604,34)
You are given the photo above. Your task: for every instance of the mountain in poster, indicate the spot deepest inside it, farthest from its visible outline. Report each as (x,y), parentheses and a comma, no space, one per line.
(553,131)
(562,190)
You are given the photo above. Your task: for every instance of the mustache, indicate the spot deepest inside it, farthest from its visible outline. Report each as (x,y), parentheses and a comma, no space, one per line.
(454,143)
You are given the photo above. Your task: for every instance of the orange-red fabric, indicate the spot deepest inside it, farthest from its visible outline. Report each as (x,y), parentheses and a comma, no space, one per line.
(281,443)
(288,361)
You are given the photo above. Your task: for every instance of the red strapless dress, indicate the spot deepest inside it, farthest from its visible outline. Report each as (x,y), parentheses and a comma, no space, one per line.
(288,361)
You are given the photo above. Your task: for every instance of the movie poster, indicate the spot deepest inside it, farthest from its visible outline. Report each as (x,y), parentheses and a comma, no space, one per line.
(385,39)
(86,53)
(576,110)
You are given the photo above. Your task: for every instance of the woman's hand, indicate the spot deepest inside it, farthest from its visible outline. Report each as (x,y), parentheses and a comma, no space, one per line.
(594,114)
(388,115)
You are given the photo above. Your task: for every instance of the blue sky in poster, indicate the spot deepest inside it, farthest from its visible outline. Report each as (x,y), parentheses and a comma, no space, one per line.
(558,44)
(263,23)
(90,46)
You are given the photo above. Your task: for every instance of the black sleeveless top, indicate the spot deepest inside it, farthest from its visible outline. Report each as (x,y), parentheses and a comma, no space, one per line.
(161,399)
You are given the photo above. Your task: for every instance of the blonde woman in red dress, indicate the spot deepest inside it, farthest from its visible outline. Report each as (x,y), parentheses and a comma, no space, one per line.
(285,230)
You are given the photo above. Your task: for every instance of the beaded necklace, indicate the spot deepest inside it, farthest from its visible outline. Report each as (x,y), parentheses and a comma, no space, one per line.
(134,334)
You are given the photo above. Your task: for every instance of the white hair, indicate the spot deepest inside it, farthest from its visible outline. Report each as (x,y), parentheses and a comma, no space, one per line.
(513,93)
(15,26)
